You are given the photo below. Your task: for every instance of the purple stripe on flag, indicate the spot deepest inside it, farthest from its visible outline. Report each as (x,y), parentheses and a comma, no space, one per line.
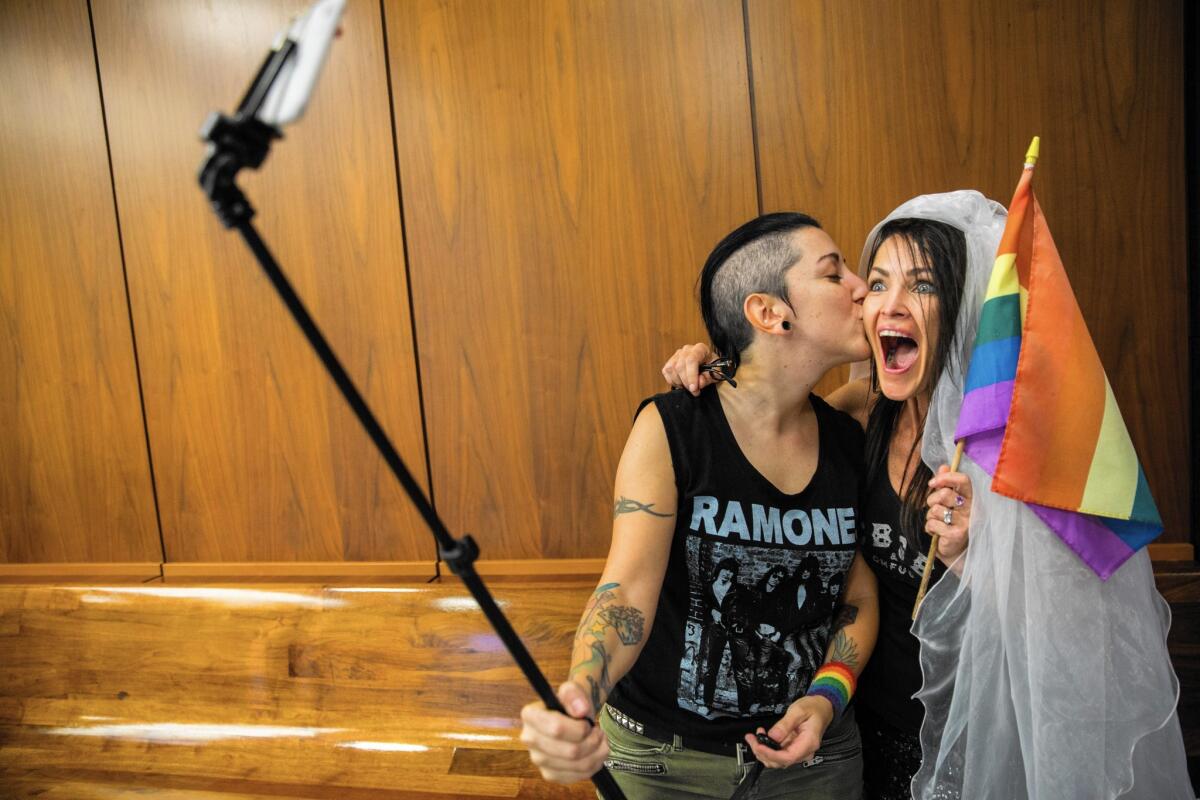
(984,449)
(985,409)
(1092,541)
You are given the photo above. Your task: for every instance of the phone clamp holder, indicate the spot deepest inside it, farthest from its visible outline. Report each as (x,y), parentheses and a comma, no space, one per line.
(237,143)
(240,141)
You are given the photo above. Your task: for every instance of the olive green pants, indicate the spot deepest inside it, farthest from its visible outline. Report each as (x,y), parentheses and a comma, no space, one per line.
(647,769)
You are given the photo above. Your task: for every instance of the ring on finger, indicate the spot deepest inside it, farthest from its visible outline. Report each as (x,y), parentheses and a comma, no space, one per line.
(948,517)
(959,500)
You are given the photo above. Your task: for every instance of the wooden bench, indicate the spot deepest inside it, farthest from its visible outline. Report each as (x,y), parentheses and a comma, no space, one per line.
(279,691)
(274,690)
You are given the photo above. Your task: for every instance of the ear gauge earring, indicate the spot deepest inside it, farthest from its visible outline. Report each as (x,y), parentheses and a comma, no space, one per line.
(787,326)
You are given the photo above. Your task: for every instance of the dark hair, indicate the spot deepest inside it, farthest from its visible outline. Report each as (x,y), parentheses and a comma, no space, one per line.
(942,248)
(753,258)
(809,564)
(778,570)
(730,564)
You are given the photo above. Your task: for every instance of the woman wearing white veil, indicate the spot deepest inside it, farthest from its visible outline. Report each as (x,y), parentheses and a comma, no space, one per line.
(1040,680)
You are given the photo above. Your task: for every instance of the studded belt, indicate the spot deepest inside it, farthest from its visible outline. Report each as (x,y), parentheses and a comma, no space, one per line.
(727,749)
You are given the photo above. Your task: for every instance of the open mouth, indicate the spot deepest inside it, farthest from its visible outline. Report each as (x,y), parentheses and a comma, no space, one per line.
(899,351)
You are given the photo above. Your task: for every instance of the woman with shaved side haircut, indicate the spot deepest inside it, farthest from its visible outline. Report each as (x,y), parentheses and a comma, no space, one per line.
(724,502)
(1004,706)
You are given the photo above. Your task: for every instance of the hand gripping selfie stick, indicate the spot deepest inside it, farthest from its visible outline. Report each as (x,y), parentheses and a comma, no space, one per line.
(277,96)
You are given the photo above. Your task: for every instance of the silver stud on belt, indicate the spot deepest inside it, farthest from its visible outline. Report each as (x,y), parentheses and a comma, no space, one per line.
(624,721)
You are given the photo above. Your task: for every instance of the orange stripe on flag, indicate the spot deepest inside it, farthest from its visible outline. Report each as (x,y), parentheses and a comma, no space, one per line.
(1014,236)
(1042,460)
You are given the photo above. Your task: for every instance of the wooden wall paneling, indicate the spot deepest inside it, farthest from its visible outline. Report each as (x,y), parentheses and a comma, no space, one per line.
(566,168)
(74,473)
(861,106)
(259,459)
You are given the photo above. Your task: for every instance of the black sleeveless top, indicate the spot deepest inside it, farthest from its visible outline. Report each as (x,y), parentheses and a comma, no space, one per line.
(752,579)
(893,674)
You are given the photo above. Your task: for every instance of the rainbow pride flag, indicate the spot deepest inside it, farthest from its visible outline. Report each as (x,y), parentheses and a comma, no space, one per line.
(1038,412)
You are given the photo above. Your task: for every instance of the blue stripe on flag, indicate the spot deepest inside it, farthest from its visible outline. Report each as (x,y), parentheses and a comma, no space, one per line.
(1133,533)
(993,362)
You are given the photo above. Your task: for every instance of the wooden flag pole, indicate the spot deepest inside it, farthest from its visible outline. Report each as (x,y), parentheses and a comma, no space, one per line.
(958,451)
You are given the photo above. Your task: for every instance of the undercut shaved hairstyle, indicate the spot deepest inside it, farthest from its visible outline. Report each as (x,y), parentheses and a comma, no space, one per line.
(754,259)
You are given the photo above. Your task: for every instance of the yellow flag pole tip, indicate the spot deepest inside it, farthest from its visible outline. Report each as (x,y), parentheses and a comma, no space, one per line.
(1031,155)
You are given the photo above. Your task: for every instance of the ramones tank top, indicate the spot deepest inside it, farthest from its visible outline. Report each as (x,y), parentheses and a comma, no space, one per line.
(753,577)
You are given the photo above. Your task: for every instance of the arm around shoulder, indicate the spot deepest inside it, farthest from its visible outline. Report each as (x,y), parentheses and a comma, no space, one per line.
(852,398)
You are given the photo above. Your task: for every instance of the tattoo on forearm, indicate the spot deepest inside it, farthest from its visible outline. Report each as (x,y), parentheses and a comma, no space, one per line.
(601,615)
(600,687)
(845,615)
(598,692)
(844,649)
(628,621)
(628,506)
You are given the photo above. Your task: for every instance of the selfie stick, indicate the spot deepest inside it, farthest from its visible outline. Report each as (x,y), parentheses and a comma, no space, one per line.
(277,96)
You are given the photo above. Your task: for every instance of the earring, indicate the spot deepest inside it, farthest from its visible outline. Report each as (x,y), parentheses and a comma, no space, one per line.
(787,326)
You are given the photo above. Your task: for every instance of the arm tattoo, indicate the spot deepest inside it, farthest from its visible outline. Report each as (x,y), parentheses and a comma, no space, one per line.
(628,506)
(628,621)
(843,649)
(601,615)
(845,615)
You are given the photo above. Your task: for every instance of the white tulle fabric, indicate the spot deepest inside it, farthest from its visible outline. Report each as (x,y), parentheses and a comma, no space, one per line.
(1040,680)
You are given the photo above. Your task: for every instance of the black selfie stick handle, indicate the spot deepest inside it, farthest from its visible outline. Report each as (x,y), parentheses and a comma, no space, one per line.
(459,554)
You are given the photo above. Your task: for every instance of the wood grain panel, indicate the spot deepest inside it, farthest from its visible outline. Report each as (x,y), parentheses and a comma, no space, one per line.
(259,459)
(1171,551)
(284,691)
(63,571)
(74,472)
(292,571)
(863,105)
(566,168)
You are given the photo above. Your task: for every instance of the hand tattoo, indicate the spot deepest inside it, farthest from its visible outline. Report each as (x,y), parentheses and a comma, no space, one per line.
(627,506)
(600,615)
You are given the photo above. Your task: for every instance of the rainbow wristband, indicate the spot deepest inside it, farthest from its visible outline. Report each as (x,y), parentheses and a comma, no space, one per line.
(835,682)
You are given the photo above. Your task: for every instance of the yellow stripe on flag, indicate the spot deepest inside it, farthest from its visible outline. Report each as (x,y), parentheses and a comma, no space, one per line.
(1004,279)
(1113,477)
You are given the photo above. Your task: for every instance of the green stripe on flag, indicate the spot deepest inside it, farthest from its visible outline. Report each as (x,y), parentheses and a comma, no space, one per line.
(1144,509)
(999,319)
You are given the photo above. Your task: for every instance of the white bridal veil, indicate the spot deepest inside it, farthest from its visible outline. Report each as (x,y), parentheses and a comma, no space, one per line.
(1040,680)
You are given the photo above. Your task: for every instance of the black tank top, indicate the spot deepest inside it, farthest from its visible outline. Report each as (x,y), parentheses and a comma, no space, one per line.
(893,674)
(752,580)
